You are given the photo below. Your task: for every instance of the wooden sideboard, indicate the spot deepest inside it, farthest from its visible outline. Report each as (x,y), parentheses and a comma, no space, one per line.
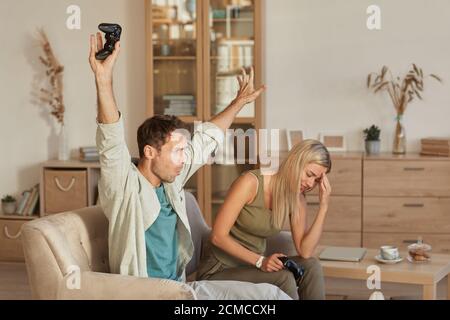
(64,186)
(406,197)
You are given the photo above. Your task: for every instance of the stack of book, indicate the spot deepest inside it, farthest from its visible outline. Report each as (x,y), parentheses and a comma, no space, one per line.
(89,154)
(436,147)
(29,202)
(179,105)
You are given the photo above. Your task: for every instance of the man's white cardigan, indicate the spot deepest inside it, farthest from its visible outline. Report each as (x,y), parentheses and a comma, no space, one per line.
(130,202)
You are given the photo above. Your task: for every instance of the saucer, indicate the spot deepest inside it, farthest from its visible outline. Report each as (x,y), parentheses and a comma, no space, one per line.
(380,259)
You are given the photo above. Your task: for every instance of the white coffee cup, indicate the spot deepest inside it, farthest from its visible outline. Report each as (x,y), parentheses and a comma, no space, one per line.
(389,252)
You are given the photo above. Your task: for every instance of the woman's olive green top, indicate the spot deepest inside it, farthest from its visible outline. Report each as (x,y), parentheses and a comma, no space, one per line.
(251,229)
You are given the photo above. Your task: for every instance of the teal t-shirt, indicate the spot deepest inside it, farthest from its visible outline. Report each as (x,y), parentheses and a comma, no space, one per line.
(161,241)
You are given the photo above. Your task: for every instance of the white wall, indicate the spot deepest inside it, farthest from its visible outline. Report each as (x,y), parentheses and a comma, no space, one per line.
(27,132)
(319,53)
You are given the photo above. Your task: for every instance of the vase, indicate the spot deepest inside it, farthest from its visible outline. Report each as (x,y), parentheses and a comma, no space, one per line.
(191,8)
(9,207)
(373,146)
(63,154)
(399,138)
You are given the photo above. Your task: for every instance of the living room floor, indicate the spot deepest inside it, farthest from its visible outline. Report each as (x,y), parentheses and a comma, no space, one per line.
(14,286)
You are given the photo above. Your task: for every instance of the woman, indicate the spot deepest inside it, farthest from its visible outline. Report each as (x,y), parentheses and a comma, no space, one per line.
(257,206)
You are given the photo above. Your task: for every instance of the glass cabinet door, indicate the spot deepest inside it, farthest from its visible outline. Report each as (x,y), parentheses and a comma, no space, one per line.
(231,47)
(176,58)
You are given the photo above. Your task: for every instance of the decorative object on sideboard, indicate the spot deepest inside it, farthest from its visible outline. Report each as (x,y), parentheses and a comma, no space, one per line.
(402,92)
(89,154)
(372,139)
(334,141)
(294,137)
(52,93)
(439,147)
(9,204)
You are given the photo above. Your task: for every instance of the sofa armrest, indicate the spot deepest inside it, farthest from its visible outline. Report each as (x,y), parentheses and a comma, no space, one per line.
(106,286)
(281,243)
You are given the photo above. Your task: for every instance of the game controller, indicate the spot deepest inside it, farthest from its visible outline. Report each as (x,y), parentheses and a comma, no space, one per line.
(112,35)
(293,267)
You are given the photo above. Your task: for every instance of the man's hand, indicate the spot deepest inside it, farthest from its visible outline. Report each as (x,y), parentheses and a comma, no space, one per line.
(247,92)
(103,70)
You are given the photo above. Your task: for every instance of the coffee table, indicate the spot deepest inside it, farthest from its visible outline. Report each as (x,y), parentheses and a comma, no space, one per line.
(427,274)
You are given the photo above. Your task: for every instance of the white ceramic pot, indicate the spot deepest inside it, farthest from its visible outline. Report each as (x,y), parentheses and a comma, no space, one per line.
(9,207)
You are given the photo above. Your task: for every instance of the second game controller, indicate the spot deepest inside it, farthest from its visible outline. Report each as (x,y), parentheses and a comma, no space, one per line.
(112,35)
(292,266)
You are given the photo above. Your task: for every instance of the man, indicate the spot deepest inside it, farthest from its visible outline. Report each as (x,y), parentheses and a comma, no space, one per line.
(149,233)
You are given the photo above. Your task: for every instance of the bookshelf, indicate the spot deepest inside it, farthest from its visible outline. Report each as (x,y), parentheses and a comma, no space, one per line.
(199,53)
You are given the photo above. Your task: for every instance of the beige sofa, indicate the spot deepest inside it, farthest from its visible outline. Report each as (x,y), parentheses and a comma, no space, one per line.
(71,248)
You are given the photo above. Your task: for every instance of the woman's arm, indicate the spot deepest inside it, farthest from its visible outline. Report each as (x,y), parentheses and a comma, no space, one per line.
(306,242)
(242,192)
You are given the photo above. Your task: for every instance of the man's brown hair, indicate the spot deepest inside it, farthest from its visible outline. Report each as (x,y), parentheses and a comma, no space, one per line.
(156,131)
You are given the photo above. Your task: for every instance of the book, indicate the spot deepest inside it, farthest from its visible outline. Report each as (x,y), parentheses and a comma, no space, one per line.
(29,201)
(178,97)
(436,141)
(88,149)
(34,201)
(23,201)
(436,154)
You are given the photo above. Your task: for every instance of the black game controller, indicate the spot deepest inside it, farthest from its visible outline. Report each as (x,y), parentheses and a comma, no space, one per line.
(112,35)
(293,267)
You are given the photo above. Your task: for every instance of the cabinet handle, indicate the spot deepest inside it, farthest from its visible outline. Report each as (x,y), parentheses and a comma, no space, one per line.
(5,229)
(58,184)
(414,205)
(414,169)
(313,203)
(409,241)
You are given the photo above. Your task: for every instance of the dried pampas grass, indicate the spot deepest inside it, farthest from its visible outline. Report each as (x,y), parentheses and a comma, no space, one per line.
(52,94)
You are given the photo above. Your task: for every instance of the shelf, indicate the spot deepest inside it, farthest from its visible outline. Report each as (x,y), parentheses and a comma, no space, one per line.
(174,58)
(171,22)
(233,20)
(18,217)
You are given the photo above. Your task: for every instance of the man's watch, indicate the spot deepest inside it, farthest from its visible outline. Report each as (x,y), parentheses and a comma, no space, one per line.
(259,262)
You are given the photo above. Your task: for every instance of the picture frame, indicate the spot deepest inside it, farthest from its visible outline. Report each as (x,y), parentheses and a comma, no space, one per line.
(335,141)
(294,136)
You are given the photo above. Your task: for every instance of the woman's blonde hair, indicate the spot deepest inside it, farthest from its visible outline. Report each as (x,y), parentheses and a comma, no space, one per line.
(286,183)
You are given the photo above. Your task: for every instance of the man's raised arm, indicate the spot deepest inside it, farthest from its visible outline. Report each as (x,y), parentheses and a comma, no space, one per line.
(103,70)
(115,159)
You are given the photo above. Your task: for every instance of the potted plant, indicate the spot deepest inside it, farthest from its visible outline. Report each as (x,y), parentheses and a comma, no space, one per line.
(9,204)
(372,137)
(402,92)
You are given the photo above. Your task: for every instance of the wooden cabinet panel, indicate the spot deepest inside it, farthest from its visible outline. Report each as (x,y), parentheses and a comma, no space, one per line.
(341,239)
(407,178)
(440,243)
(345,177)
(344,213)
(428,215)
(10,241)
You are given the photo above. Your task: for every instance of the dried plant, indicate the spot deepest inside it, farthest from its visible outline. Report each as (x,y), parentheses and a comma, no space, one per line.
(401,91)
(52,95)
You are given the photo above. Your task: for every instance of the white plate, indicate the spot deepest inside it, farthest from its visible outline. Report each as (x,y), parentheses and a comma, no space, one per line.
(380,259)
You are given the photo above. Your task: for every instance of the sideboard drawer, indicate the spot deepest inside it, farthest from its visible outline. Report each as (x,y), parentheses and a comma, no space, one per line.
(407,178)
(440,243)
(427,215)
(345,177)
(10,241)
(341,239)
(65,190)
(344,213)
